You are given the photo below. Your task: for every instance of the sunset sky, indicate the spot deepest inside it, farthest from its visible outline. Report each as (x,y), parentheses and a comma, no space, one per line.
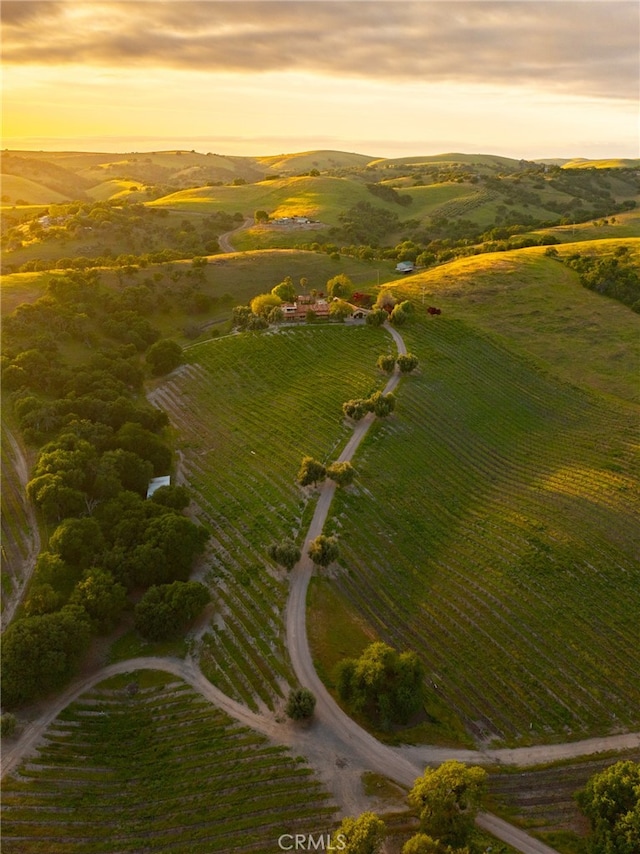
(387,78)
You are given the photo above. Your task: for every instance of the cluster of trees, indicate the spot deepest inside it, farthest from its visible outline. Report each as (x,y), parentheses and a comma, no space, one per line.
(80,586)
(446,800)
(389,194)
(406,362)
(312,472)
(616,277)
(379,403)
(384,685)
(101,442)
(144,235)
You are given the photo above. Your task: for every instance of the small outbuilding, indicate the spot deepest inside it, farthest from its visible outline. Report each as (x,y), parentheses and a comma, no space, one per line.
(156,483)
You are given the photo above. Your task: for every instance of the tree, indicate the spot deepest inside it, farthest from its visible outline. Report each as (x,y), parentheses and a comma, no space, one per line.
(399,315)
(356,408)
(382,404)
(311,471)
(377,317)
(324,550)
(263,303)
(261,216)
(423,844)
(386,363)
(383,684)
(448,799)
(40,653)
(164,356)
(286,290)
(385,301)
(166,609)
(175,497)
(339,310)
(240,316)
(611,802)
(101,597)
(43,599)
(285,553)
(165,552)
(77,541)
(300,704)
(8,724)
(362,835)
(340,286)
(342,473)
(407,362)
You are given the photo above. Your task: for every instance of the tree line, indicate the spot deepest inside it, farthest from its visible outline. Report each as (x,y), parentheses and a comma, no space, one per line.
(99,443)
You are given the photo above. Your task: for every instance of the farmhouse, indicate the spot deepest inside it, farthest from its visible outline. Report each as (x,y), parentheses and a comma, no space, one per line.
(298,310)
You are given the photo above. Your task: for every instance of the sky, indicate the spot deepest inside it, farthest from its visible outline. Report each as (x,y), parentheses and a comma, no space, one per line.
(387,78)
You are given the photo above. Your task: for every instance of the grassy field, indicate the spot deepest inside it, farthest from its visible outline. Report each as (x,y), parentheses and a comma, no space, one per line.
(320,198)
(142,762)
(246,409)
(15,187)
(620,226)
(494,531)
(539,306)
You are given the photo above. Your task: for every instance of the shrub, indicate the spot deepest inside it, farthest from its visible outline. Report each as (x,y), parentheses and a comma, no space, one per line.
(300,704)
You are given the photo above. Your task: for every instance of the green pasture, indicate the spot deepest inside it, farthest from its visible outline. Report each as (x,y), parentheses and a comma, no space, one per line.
(246,409)
(306,160)
(17,288)
(16,187)
(142,762)
(619,226)
(321,198)
(494,531)
(611,163)
(538,305)
(116,188)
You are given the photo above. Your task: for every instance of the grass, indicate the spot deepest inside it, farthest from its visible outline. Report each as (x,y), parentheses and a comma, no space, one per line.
(494,532)
(321,198)
(539,307)
(132,645)
(123,768)
(16,187)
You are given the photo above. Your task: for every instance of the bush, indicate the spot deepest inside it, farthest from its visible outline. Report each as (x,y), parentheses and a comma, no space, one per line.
(286,553)
(311,471)
(300,704)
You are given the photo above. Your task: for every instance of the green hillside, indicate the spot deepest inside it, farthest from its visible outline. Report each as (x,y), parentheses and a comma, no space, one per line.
(16,189)
(538,305)
(307,160)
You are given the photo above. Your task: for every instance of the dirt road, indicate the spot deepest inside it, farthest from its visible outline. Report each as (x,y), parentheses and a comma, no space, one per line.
(335,746)
(27,564)
(223,240)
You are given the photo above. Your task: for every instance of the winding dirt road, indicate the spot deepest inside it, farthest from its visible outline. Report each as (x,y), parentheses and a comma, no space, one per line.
(335,746)
(224,241)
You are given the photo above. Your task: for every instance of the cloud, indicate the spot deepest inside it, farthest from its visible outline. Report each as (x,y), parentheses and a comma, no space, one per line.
(583,48)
